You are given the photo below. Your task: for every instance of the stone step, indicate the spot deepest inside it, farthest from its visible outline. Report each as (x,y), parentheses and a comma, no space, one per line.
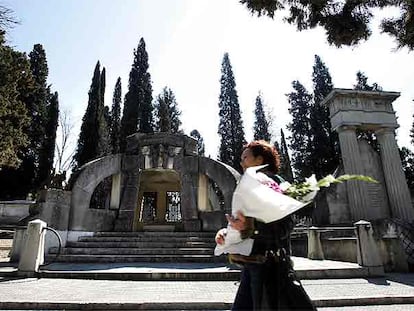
(139,244)
(153,233)
(203,258)
(133,251)
(142,238)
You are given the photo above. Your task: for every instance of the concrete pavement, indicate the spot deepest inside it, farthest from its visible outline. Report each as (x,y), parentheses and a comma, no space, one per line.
(110,293)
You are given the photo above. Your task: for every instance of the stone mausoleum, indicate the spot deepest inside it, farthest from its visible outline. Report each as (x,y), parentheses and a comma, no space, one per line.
(159,183)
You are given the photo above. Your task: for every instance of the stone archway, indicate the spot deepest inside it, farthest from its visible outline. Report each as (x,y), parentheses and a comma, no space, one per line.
(159,199)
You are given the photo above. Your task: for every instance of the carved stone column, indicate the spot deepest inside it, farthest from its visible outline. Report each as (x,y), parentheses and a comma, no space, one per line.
(352,165)
(129,197)
(398,193)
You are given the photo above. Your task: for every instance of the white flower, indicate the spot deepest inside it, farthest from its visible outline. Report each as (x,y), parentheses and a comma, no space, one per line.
(312,182)
(285,185)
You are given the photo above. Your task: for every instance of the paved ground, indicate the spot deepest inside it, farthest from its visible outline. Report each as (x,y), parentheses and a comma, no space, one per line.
(190,295)
(391,292)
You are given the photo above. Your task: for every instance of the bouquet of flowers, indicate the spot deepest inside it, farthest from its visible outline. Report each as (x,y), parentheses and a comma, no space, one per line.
(260,197)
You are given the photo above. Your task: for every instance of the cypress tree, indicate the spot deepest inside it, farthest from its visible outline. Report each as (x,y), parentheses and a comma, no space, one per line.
(285,165)
(230,129)
(48,153)
(200,142)
(93,137)
(138,109)
(115,127)
(38,112)
(261,125)
(300,128)
(325,143)
(168,114)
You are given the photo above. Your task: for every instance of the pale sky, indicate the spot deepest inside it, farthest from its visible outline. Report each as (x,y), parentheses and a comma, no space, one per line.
(185,41)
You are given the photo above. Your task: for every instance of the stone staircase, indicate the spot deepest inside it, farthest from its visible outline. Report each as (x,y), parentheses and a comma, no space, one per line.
(116,247)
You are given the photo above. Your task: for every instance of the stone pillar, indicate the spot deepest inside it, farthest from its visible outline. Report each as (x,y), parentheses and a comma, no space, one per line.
(398,193)
(131,176)
(352,165)
(33,252)
(203,192)
(315,250)
(115,191)
(368,254)
(19,239)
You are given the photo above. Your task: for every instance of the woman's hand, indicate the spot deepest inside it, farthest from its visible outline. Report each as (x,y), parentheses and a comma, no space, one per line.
(220,236)
(239,222)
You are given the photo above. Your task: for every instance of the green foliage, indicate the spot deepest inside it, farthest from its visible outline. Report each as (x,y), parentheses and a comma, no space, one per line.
(200,142)
(345,22)
(324,157)
(261,125)
(307,190)
(115,125)
(300,141)
(47,153)
(93,138)
(14,120)
(138,110)
(230,129)
(407,161)
(167,112)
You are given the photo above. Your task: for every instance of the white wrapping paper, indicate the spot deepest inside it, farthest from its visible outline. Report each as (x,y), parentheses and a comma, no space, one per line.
(254,199)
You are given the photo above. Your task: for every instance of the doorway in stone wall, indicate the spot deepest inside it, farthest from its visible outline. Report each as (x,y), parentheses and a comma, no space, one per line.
(159,201)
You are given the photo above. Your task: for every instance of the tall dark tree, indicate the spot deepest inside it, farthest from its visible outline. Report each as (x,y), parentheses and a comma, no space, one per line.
(300,142)
(38,112)
(345,22)
(93,138)
(115,125)
(167,112)
(261,125)
(363,85)
(200,142)
(325,153)
(285,165)
(138,110)
(230,129)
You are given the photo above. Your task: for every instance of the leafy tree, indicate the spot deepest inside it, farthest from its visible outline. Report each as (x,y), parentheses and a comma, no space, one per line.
(325,154)
(407,160)
(200,142)
(138,109)
(168,114)
(261,125)
(285,165)
(93,137)
(300,142)
(14,120)
(362,84)
(115,125)
(345,22)
(231,125)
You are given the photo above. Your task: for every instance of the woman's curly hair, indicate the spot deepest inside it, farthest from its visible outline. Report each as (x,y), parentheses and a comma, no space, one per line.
(267,151)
